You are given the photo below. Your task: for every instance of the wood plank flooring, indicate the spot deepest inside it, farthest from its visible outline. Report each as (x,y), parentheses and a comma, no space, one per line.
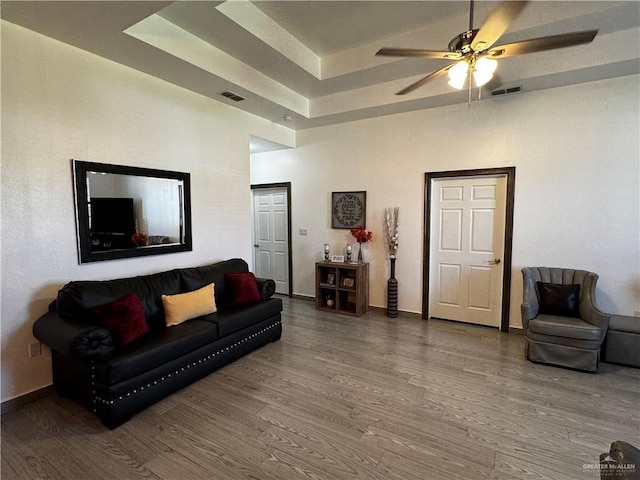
(348,398)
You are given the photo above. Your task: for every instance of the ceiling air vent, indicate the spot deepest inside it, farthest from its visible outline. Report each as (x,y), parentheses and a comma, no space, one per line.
(232,96)
(506,90)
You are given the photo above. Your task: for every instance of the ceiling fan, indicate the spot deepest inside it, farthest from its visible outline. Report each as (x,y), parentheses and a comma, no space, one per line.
(474,52)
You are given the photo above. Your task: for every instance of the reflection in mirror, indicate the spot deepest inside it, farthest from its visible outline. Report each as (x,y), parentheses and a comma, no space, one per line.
(129,212)
(121,205)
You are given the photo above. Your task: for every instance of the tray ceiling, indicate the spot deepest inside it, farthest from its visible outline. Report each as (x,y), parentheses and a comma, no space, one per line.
(311,63)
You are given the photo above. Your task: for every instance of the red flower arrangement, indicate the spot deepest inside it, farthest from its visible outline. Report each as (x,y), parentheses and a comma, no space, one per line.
(139,239)
(361,235)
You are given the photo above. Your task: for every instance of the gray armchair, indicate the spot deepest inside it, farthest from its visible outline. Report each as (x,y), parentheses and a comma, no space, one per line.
(569,335)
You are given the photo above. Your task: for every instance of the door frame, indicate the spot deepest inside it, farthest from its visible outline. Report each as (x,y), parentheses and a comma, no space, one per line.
(510,172)
(287,186)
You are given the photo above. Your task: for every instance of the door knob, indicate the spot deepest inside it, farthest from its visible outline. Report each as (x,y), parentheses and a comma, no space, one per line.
(256,245)
(494,262)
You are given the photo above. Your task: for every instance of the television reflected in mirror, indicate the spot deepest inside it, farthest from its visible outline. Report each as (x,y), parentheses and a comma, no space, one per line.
(124,212)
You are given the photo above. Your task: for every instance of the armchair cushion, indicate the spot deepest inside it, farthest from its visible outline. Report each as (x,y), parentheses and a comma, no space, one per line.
(566,327)
(556,299)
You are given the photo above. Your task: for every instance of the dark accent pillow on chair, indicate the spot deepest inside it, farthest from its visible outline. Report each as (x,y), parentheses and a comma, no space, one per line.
(124,318)
(241,288)
(556,299)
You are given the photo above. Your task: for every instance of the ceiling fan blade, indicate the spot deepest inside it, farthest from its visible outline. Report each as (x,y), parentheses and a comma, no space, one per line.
(496,24)
(422,81)
(541,44)
(415,52)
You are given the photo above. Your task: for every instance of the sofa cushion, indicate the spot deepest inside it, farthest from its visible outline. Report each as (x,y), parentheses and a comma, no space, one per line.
(556,299)
(153,349)
(185,306)
(236,318)
(76,299)
(241,288)
(124,318)
(198,277)
(568,327)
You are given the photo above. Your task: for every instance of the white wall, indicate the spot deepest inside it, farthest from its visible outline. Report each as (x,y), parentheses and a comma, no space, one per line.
(576,153)
(59,103)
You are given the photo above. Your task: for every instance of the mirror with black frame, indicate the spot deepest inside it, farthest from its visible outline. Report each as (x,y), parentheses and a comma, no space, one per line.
(124,212)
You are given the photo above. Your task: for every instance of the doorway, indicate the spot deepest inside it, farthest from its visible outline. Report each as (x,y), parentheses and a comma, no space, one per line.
(272,234)
(468,242)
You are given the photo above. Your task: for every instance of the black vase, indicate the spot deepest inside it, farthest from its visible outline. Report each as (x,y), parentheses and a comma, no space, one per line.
(392,292)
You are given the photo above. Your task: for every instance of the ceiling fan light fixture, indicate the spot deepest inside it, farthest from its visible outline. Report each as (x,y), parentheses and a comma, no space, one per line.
(458,74)
(483,70)
(476,48)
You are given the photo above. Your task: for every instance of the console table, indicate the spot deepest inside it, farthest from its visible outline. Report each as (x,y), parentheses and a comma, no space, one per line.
(342,287)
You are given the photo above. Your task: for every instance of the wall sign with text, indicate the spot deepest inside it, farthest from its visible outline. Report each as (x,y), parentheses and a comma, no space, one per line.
(348,209)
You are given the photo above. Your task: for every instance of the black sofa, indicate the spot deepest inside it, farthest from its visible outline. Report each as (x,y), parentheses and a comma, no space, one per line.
(117,382)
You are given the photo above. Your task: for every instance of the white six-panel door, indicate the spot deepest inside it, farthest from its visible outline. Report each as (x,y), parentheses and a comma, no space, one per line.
(467,246)
(271,236)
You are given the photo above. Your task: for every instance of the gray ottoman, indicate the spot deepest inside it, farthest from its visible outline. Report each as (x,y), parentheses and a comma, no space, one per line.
(622,343)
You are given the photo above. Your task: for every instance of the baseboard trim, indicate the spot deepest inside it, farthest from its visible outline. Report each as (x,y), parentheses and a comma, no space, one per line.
(14,403)
(299,296)
(405,313)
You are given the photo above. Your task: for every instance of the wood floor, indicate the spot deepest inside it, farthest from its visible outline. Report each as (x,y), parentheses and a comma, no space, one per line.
(340,398)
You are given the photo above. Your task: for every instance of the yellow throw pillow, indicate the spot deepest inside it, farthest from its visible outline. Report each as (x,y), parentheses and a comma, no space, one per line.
(185,306)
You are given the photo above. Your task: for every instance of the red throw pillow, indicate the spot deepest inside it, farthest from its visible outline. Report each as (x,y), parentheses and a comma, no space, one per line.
(241,288)
(124,318)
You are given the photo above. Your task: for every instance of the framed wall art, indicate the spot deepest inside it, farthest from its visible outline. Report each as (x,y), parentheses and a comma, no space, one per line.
(348,209)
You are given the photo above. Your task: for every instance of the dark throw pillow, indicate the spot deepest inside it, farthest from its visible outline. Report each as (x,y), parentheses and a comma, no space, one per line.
(556,299)
(241,288)
(124,318)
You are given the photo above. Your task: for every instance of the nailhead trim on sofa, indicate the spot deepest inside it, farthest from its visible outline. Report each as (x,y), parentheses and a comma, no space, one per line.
(99,400)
